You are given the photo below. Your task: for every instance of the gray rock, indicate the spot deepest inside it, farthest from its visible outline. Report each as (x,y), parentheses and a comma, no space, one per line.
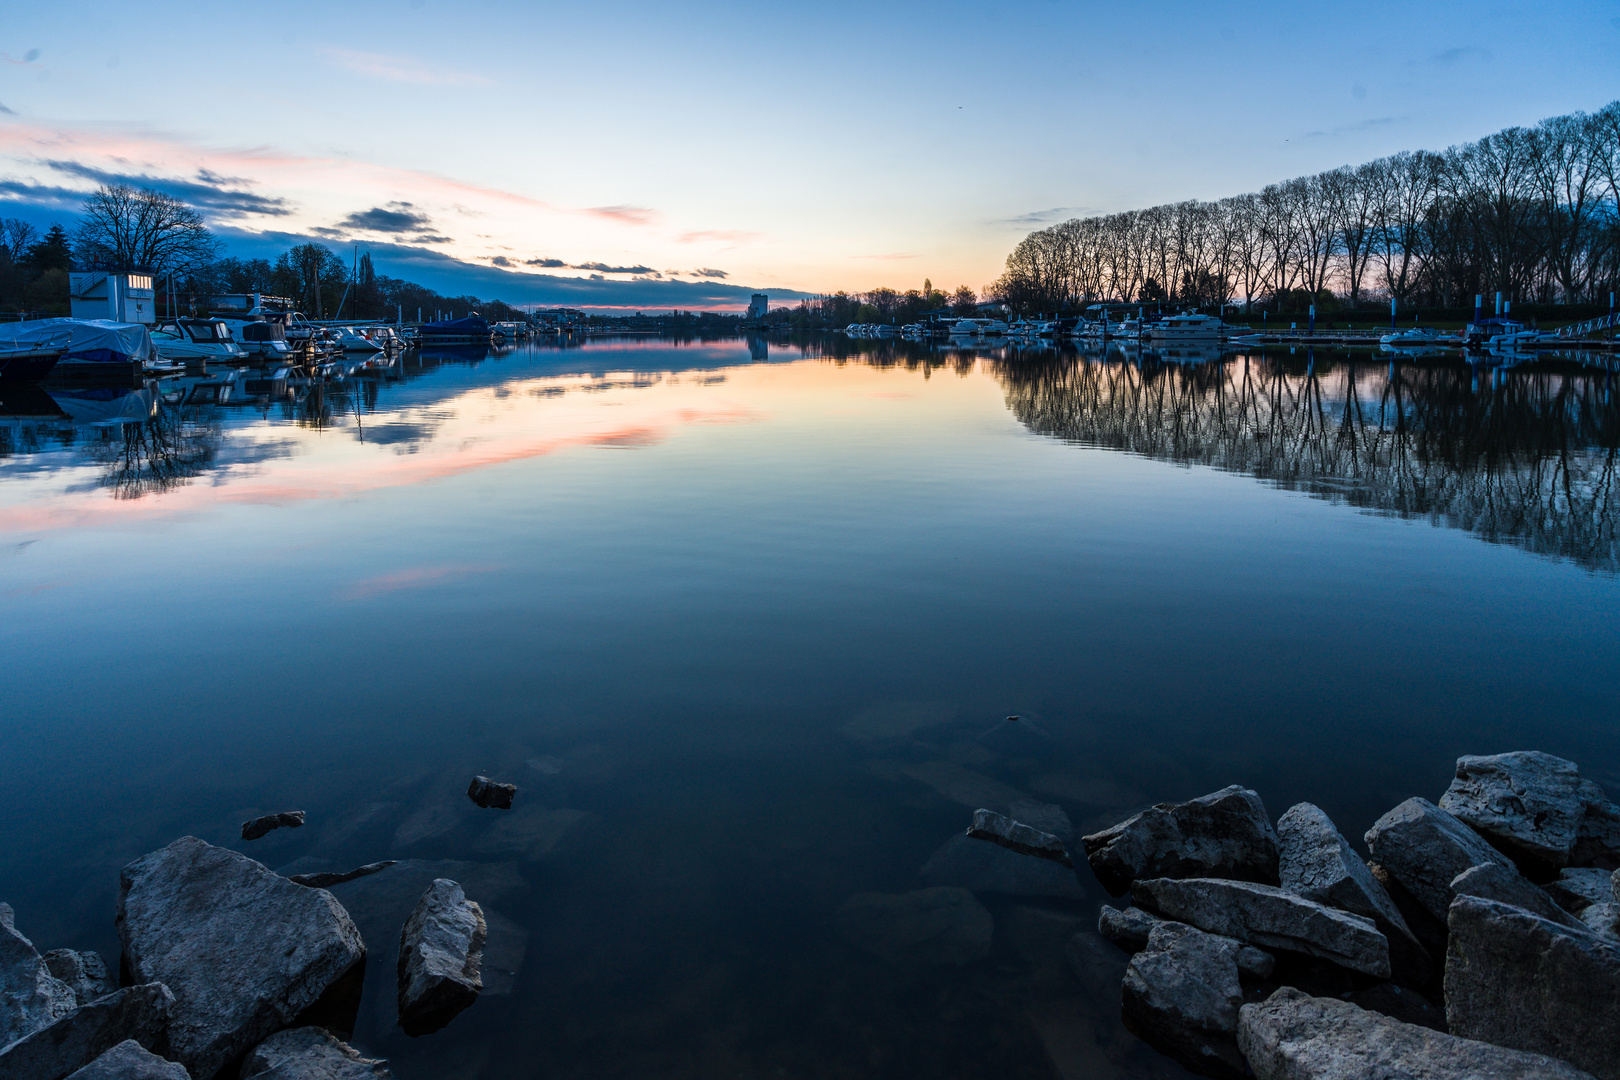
(1603,919)
(325,880)
(1047,817)
(142,1013)
(1269,917)
(1425,848)
(1529,983)
(1507,886)
(1578,887)
(310,1053)
(1016,836)
(488,794)
(85,973)
(1528,803)
(244,950)
(938,926)
(291,819)
(989,868)
(1293,1036)
(1128,928)
(1181,995)
(30,996)
(1598,841)
(1317,862)
(440,950)
(1225,834)
(129,1060)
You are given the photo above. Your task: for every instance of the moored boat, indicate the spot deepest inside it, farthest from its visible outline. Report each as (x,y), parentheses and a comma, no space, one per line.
(28,354)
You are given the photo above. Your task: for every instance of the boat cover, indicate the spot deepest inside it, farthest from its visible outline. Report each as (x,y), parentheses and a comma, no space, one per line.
(94,341)
(471,326)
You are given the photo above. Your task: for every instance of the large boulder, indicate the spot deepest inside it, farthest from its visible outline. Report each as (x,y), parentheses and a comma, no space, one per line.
(30,996)
(1225,834)
(129,1060)
(1181,995)
(142,1013)
(1269,917)
(1598,842)
(1577,888)
(1507,886)
(1293,1036)
(85,973)
(972,864)
(1529,804)
(245,951)
(1532,984)
(310,1053)
(440,950)
(1130,929)
(1425,848)
(938,926)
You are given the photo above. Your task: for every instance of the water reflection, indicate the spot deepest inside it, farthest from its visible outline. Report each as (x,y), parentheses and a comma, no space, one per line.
(1523,455)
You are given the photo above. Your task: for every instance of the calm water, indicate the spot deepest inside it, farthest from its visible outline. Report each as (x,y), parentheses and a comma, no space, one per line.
(742,622)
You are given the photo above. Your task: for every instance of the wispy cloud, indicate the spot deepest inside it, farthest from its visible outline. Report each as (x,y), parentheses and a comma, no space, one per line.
(710,272)
(729,236)
(406,69)
(624,215)
(1448,57)
(415,578)
(553,264)
(396,217)
(221,196)
(5,111)
(1359,125)
(1044,217)
(604,268)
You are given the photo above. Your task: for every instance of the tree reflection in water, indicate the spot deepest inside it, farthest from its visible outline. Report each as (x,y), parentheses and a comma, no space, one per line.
(1522,456)
(156,455)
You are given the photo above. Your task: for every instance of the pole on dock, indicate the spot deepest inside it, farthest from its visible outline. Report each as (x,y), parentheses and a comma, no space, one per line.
(1479,306)
(1498,305)
(1313,319)
(1392,313)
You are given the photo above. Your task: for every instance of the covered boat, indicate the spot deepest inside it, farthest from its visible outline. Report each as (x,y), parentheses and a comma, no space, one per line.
(472,328)
(28,350)
(90,341)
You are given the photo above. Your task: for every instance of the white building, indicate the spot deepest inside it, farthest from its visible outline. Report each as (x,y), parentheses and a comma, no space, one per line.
(757,307)
(125,298)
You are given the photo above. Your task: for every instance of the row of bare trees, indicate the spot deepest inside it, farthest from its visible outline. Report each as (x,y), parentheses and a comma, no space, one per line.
(1531,212)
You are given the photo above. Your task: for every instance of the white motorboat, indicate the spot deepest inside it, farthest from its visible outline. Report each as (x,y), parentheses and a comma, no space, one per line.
(1418,337)
(190,340)
(1187,327)
(978,327)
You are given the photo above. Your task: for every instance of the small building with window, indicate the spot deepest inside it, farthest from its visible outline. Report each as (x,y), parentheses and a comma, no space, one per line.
(125,298)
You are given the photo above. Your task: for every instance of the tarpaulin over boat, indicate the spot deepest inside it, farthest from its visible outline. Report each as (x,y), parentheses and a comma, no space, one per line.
(471,326)
(94,341)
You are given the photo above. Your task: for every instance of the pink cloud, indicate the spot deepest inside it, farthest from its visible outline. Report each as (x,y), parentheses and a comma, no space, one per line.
(624,215)
(729,236)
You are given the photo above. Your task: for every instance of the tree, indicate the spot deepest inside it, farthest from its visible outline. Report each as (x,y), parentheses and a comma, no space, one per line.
(964,301)
(127,228)
(16,236)
(51,251)
(312,276)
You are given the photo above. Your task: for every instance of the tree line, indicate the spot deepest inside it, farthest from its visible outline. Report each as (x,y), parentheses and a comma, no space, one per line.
(1533,213)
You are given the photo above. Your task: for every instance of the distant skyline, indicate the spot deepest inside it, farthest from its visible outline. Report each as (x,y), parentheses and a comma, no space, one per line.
(643,156)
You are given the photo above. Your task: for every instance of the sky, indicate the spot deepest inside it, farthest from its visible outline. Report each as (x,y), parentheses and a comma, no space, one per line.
(629,155)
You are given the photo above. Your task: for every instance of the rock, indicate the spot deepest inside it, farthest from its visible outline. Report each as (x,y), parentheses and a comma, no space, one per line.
(1181,995)
(487,793)
(1529,983)
(1598,841)
(1529,804)
(1425,848)
(245,950)
(1128,928)
(1225,834)
(142,1013)
(1603,919)
(1293,1036)
(1508,886)
(1016,836)
(938,926)
(1047,817)
(440,950)
(1269,917)
(1317,862)
(291,819)
(30,996)
(129,1060)
(85,973)
(310,1053)
(1578,887)
(324,880)
(989,868)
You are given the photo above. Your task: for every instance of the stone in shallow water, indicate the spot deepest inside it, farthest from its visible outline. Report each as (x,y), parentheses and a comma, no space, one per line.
(129,1060)
(30,996)
(1293,1036)
(1181,994)
(1523,981)
(142,1013)
(938,926)
(990,868)
(1225,834)
(244,950)
(440,950)
(489,794)
(1128,928)
(1425,848)
(310,1053)
(259,826)
(1017,836)
(326,879)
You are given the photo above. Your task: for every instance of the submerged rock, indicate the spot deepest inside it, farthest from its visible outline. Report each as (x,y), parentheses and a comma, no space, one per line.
(440,950)
(85,973)
(1269,917)
(1508,886)
(142,1013)
(1293,1036)
(30,996)
(1532,984)
(1016,836)
(1181,995)
(1529,804)
(991,868)
(310,1053)
(129,1060)
(259,826)
(245,950)
(327,879)
(1225,834)
(938,926)
(488,794)
(1425,848)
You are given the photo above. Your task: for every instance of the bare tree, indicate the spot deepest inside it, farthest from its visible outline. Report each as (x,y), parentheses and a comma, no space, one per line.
(127,228)
(15,237)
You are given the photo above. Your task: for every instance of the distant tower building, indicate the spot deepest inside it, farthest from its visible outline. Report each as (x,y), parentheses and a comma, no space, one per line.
(757,307)
(125,298)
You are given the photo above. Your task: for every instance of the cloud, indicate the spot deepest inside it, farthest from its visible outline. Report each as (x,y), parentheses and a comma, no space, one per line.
(730,236)
(548,263)
(5,111)
(1455,56)
(604,268)
(1359,125)
(406,69)
(1044,217)
(710,272)
(220,196)
(396,217)
(624,215)
(500,260)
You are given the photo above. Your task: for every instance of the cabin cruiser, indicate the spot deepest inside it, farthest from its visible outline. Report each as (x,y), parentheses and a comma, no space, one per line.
(28,351)
(1418,337)
(978,327)
(1187,327)
(355,339)
(207,340)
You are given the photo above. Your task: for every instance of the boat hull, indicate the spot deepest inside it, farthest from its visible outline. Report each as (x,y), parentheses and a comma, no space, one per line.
(28,366)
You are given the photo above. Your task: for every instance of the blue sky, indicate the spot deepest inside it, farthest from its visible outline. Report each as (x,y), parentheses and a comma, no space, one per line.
(686,155)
